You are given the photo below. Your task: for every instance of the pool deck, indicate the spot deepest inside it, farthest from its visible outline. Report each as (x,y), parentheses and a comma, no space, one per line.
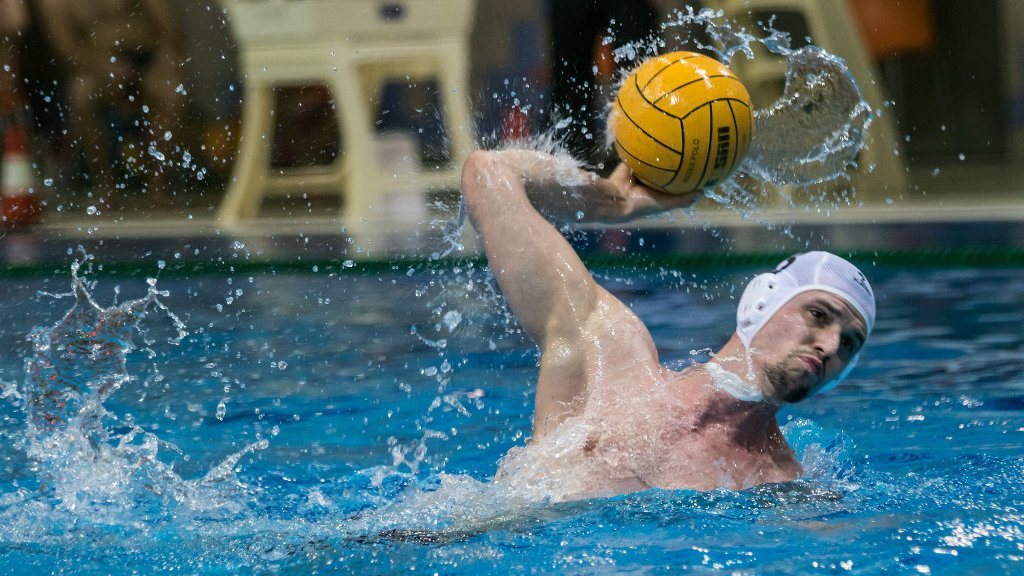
(979,207)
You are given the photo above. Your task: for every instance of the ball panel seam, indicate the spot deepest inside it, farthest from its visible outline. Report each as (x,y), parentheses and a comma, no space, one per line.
(685,84)
(642,130)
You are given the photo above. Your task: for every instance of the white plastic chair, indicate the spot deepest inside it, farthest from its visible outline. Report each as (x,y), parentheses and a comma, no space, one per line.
(353,47)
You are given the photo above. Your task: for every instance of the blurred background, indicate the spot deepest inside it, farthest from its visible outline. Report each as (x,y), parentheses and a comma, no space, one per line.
(246,109)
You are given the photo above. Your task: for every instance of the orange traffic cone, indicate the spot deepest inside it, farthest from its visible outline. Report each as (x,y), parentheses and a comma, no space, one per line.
(20,203)
(515,124)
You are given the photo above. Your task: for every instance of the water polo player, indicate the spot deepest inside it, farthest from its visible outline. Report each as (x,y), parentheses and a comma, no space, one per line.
(609,418)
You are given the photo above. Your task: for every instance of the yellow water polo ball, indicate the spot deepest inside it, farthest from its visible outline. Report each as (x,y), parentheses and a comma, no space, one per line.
(682,121)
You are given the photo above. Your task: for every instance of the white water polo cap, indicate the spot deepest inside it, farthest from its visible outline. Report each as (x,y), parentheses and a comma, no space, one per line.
(766,293)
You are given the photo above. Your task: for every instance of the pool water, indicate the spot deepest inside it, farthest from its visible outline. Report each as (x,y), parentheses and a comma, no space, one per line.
(326,422)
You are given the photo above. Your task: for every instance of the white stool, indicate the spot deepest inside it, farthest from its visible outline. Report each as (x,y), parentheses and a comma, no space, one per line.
(353,47)
(831,25)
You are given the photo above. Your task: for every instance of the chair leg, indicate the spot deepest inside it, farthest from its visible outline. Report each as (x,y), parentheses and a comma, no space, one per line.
(883,144)
(249,177)
(455,87)
(359,163)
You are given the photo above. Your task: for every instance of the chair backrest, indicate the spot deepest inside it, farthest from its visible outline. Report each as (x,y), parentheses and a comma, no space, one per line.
(267,23)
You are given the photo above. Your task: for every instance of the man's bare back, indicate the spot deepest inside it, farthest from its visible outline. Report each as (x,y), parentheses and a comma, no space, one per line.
(609,418)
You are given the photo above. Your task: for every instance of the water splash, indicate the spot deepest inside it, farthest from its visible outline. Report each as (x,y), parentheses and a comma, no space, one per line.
(811,135)
(814,132)
(446,508)
(83,462)
(80,361)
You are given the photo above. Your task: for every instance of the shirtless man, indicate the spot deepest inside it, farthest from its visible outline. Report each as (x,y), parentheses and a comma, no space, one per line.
(609,418)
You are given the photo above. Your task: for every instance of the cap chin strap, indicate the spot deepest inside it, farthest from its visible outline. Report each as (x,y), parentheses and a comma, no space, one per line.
(842,376)
(733,384)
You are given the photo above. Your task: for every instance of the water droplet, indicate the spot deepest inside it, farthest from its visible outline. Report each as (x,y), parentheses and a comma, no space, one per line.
(961,156)
(221,410)
(168,136)
(180,89)
(92,211)
(452,318)
(348,264)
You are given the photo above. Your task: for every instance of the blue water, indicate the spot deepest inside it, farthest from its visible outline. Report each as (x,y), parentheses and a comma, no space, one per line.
(367,412)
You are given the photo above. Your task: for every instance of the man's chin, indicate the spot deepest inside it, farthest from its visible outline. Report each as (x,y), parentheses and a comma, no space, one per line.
(787,387)
(797,394)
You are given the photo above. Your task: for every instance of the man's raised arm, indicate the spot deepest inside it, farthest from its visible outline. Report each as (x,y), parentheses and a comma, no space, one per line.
(575,322)
(512,195)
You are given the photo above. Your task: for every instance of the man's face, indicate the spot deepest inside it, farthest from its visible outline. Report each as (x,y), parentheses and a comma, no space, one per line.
(806,344)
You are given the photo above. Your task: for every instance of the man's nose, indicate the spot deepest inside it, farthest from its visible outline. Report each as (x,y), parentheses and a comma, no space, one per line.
(828,342)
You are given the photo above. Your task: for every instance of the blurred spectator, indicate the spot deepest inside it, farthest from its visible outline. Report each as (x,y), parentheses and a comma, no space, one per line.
(578,27)
(122,59)
(13,21)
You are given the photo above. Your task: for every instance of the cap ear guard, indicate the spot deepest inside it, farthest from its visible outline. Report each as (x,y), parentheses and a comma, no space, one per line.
(761,298)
